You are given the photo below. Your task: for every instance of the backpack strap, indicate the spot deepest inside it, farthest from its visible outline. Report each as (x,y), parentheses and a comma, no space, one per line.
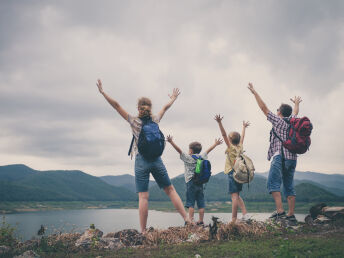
(196,157)
(144,121)
(131,145)
(282,152)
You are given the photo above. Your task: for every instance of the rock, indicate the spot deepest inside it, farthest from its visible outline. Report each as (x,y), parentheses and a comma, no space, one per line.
(28,254)
(193,238)
(89,238)
(322,219)
(4,249)
(333,212)
(111,243)
(309,220)
(130,237)
(317,210)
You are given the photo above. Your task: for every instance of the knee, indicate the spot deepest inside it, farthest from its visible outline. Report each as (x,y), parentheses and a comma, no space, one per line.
(143,196)
(169,189)
(235,197)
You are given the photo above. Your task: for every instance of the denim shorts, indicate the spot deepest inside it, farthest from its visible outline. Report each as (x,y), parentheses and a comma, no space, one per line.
(277,175)
(194,193)
(234,186)
(142,170)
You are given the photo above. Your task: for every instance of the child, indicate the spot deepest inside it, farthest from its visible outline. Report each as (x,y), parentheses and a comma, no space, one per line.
(234,146)
(144,167)
(194,192)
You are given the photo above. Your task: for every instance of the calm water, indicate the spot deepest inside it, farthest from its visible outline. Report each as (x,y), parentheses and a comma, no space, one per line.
(107,220)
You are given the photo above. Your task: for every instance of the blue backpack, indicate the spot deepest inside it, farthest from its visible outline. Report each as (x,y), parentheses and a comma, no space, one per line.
(151,142)
(202,171)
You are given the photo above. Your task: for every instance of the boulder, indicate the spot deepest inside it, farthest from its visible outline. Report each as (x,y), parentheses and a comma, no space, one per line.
(90,238)
(316,210)
(129,237)
(333,212)
(111,243)
(322,219)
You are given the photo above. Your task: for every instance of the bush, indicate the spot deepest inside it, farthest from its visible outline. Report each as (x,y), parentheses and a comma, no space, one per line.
(7,234)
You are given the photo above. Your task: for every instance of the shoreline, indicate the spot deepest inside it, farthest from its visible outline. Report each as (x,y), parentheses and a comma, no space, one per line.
(7,208)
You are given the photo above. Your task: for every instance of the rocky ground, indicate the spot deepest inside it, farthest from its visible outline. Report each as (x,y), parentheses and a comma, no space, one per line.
(321,221)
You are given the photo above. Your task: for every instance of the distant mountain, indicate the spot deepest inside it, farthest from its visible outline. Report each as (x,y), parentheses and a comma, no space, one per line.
(217,190)
(333,183)
(127,181)
(21,183)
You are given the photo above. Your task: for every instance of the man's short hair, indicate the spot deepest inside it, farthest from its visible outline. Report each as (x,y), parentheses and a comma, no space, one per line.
(285,110)
(196,147)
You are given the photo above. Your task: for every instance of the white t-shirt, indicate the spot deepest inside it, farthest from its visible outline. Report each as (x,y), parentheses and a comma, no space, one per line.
(190,164)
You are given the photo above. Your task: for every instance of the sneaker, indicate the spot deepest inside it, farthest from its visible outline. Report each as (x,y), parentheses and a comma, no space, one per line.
(246,217)
(291,218)
(276,215)
(200,223)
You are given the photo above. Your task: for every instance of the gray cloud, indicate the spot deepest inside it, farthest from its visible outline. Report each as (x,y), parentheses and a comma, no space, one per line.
(51,54)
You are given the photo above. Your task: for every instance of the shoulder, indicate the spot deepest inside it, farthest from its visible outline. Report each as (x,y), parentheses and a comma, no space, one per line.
(186,157)
(132,119)
(156,119)
(273,117)
(204,155)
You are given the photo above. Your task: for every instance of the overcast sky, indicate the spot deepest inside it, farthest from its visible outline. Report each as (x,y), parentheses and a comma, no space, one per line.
(51,53)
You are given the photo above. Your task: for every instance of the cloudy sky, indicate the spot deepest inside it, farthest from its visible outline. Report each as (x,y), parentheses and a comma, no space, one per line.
(51,53)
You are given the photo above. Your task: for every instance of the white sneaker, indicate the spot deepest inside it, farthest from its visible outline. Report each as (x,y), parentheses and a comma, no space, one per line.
(246,217)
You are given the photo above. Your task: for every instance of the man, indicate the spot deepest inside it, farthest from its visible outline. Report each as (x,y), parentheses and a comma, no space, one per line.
(283,161)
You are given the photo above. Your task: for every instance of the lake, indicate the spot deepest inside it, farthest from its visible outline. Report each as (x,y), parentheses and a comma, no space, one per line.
(107,220)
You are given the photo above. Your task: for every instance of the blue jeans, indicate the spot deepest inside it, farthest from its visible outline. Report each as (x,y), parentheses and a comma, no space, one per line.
(277,175)
(233,186)
(142,170)
(194,193)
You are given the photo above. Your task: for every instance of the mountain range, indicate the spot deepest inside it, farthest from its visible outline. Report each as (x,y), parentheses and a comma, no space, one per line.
(21,183)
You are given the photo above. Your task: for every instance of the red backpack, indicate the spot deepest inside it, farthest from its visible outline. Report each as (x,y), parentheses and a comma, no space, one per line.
(299,138)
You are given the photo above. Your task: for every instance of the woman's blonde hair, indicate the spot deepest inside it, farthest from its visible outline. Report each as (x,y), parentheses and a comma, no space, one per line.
(144,106)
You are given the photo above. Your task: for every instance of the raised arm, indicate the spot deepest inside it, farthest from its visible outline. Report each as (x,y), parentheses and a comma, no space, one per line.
(170,140)
(218,119)
(111,101)
(217,142)
(297,100)
(260,102)
(173,98)
(244,125)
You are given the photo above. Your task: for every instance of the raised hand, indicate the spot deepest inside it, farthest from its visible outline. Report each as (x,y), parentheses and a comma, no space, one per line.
(218,118)
(175,94)
(296,100)
(100,86)
(218,141)
(245,124)
(250,87)
(169,138)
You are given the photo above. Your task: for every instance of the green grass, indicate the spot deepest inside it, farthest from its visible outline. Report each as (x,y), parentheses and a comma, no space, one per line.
(297,246)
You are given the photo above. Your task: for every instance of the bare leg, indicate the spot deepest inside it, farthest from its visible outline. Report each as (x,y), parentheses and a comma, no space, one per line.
(235,200)
(278,201)
(242,205)
(191,213)
(201,214)
(291,204)
(143,210)
(177,202)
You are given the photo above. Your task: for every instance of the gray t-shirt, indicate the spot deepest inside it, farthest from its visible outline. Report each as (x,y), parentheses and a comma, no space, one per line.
(190,164)
(136,125)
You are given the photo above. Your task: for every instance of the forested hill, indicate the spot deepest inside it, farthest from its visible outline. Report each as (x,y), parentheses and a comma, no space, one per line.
(21,183)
